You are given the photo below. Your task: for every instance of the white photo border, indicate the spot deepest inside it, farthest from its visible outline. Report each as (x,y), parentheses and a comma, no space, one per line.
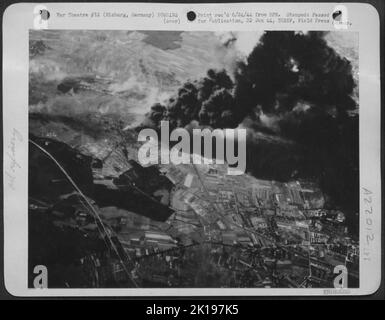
(19,18)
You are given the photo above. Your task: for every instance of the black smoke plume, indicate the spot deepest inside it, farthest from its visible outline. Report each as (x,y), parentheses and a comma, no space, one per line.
(209,101)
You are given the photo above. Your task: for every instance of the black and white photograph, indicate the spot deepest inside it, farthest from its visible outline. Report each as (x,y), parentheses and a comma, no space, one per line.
(99,218)
(179,151)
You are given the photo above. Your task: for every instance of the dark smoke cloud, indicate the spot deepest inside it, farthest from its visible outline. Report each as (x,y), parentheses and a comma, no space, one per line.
(286,72)
(288,68)
(209,101)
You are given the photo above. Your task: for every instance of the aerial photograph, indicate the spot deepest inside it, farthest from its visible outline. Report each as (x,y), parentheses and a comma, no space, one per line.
(98,217)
